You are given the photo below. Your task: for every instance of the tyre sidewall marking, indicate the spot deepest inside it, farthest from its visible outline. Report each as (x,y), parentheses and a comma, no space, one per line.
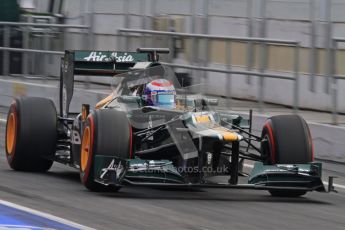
(273,152)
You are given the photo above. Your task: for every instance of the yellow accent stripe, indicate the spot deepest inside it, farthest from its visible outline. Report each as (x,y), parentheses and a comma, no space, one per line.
(202,119)
(227,135)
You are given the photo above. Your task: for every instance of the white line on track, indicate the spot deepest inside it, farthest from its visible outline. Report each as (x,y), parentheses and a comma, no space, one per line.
(2,120)
(335,185)
(45,215)
(325,182)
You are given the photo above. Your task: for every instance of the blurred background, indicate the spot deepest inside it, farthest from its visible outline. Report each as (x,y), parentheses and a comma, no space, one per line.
(284,52)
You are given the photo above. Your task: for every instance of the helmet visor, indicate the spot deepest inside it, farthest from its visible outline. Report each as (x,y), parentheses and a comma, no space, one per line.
(166,98)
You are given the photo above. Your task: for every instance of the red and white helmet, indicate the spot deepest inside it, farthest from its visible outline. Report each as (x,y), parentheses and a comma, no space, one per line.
(161,93)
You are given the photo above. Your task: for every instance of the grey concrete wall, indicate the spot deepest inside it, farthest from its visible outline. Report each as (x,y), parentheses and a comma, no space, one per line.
(275,90)
(9,89)
(284,19)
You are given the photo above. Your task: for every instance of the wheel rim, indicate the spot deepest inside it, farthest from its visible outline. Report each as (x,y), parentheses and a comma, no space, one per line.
(85,148)
(11,133)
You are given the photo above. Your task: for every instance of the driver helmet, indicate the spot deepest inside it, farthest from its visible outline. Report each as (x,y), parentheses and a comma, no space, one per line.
(160,93)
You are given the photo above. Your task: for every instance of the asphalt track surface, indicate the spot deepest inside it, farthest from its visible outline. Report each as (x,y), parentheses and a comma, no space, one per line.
(60,193)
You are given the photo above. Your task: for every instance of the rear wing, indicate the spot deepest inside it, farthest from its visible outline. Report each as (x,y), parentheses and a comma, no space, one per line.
(103,63)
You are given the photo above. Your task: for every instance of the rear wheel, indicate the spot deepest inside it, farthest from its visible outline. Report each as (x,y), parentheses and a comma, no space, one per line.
(106,132)
(31,134)
(287,141)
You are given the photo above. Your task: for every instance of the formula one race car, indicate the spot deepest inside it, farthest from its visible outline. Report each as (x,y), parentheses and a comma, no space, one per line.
(151,131)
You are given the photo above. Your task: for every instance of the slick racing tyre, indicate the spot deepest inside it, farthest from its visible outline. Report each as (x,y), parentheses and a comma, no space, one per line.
(106,132)
(287,140)
(31,134)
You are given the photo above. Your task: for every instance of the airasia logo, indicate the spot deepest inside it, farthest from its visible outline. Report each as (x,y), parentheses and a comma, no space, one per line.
(99,56)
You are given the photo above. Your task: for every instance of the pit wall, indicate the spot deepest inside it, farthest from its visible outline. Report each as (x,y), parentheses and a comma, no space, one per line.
(312,23)
(277,91)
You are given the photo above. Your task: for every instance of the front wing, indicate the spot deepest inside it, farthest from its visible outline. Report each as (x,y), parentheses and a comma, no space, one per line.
(109,170)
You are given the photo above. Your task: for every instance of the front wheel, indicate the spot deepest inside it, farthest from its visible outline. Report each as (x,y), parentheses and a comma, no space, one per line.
(106,132)
(286,140)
